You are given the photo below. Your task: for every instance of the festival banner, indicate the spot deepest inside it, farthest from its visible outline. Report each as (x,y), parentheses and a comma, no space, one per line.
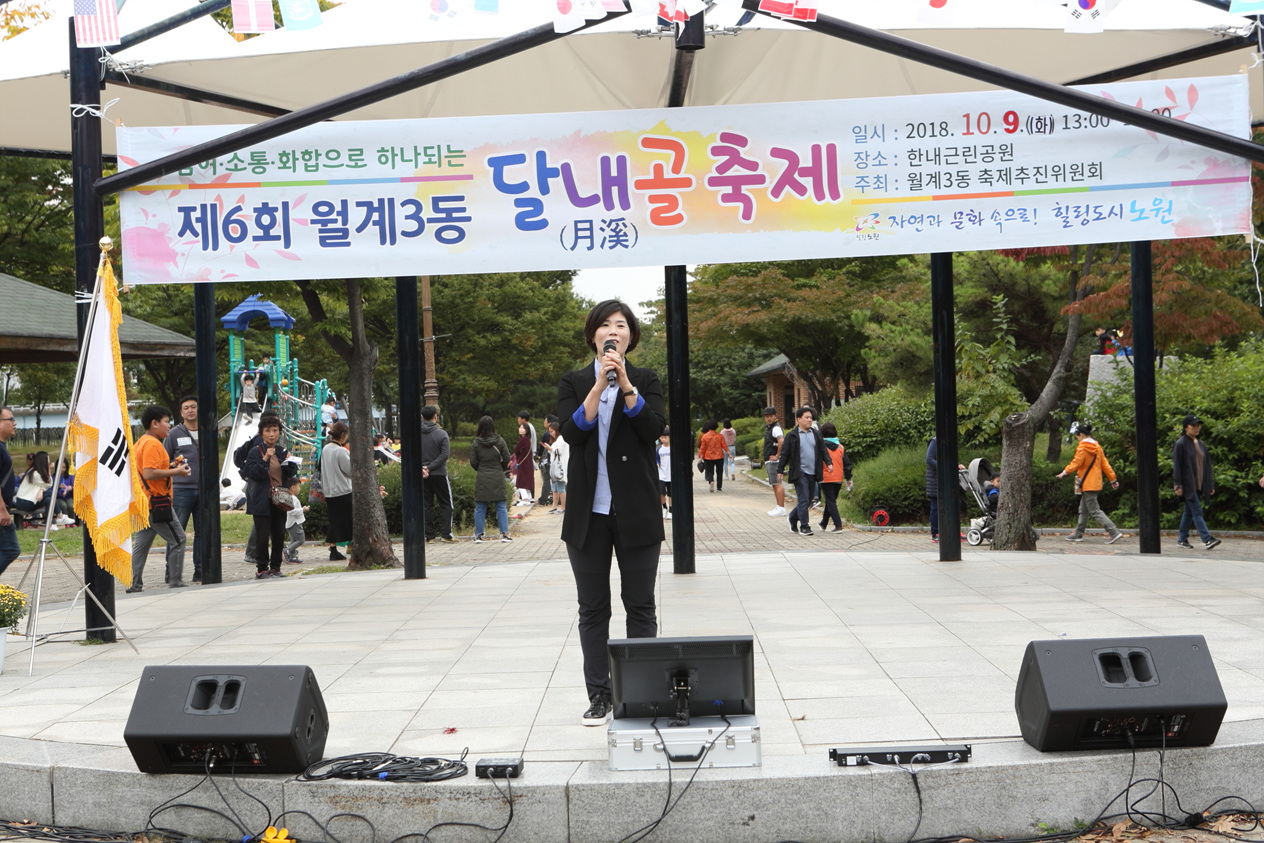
(901,175)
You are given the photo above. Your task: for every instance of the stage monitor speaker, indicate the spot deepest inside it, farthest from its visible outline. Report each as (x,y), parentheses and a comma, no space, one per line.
(1095,693)
(252,719)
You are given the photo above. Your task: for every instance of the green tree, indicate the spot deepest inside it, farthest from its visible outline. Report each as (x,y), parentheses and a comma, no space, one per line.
(803,309)
(44,384)
(36,222)
(986,393)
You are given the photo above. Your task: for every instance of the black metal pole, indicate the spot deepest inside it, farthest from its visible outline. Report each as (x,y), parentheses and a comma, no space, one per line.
(676,287)
(338,106)
(1143,396)
(945,345)
(176,21)
(85,158)
(408,350)
(206,537)
(905,48)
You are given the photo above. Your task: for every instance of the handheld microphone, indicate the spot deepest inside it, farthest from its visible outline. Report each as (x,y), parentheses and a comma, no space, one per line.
(611,377)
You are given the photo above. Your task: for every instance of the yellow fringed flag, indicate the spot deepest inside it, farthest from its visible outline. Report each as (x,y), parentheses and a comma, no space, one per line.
(108,492)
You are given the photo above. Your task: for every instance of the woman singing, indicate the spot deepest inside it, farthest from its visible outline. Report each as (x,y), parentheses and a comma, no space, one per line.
(612,426)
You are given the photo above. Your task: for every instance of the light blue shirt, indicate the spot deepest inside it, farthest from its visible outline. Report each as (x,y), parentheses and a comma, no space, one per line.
(807,451)
(605,410)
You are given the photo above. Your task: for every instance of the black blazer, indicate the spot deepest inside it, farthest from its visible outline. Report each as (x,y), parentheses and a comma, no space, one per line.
(630,461)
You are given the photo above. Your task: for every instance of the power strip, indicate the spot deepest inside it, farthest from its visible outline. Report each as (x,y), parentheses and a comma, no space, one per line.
(498,768)
(890,755)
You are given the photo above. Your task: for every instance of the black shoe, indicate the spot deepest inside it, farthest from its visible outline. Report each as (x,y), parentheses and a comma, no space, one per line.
(598,711)
(335,556)
(197,577)
(136,589)
(1183,543)
(1212,542)
(262,575)
(806,531)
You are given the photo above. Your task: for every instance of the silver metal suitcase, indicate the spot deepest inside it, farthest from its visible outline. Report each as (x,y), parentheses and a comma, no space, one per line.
(634,745)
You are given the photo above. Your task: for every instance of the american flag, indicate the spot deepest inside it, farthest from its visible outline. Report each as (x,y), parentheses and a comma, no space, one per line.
(96,23)
(253,16)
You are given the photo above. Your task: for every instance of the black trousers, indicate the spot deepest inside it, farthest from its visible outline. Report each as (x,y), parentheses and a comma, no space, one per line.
(435,490)
(714,469)
(638,569)
(269,527)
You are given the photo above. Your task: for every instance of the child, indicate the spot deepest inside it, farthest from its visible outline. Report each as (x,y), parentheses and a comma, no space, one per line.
(663,455)
(559,455)
(294,526)
(249,396)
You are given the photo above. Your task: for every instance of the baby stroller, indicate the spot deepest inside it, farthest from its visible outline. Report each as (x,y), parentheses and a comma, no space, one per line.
(976,480)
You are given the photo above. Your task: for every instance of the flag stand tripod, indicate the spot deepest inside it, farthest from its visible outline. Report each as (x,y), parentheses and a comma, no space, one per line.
(32,623)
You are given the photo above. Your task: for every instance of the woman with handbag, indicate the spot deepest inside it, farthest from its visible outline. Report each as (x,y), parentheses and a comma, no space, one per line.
(156,470)
(1087,465)
(335,485)
(268,477)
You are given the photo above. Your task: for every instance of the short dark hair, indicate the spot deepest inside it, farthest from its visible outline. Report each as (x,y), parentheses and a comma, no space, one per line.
(828,430)
(798,414)
(186,399)
(524,415)
(727,423)
(248,377)
(709,424)
(269,421)
(429,411)
(486,428)
(153,414)
(337,430)
(603,311)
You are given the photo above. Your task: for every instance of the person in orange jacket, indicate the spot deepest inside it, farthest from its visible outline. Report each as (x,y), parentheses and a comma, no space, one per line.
(1087,465)
(712,450)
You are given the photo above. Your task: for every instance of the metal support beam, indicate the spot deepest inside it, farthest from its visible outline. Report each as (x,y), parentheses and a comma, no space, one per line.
(176,21)
(184,92)
(945,345)
(85,153)
(1203,51)
(905,48)
(676,281)
(337,106)
(1143,396)
(409,357)
(206,526)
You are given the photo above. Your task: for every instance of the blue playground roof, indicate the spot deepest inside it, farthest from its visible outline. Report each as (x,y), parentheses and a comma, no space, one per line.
(238,319)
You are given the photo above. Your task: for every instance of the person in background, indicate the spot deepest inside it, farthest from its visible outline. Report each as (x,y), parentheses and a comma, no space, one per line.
(489,457)
(730,440)
(773,437)
(156,470)
(559,454)
(335,479)
(1192,479)
(837,472)
(294,519)
(33,489)
(9,547)
(435,488)
(803,460)
(182,443)
(1088,465)
(263,378)
(328,415)
(66,496)
(713,451)
(523,465)
(612,413)
(543,458)
(268,467)
(249,396)
(662,455)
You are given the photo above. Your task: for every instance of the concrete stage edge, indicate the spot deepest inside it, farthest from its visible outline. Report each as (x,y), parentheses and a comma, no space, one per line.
(851,649)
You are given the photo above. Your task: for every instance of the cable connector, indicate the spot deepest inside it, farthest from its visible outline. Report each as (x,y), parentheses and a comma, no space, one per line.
(498,768)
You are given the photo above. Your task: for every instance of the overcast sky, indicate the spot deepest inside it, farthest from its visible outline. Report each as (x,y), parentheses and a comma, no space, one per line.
(632,285)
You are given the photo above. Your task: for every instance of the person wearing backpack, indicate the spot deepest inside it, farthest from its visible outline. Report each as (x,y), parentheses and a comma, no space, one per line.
(837,471)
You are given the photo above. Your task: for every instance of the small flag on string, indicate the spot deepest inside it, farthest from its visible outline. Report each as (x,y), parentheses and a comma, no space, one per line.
(300,14)
(1246,7)
(804,10)
(96,23)
(253,16)
(1088,15)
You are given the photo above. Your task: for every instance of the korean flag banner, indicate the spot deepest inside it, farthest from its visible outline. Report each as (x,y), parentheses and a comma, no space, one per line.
(108,494)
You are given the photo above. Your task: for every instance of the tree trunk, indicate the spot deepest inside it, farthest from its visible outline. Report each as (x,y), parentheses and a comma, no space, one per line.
(1053,453)
(370,539)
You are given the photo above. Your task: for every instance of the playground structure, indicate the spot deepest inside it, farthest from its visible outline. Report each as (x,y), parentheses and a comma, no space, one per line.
(296,401)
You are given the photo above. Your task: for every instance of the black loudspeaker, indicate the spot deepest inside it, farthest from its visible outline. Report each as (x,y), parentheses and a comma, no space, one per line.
(252,719)
(1097,693)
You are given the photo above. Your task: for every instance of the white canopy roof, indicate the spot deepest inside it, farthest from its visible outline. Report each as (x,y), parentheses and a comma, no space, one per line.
(618,64)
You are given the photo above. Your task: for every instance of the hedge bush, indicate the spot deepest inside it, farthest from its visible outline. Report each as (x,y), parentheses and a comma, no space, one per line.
(1227,392)
(877,421)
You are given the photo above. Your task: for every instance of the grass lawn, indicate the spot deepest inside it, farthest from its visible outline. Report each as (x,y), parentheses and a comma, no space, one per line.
(234,529)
